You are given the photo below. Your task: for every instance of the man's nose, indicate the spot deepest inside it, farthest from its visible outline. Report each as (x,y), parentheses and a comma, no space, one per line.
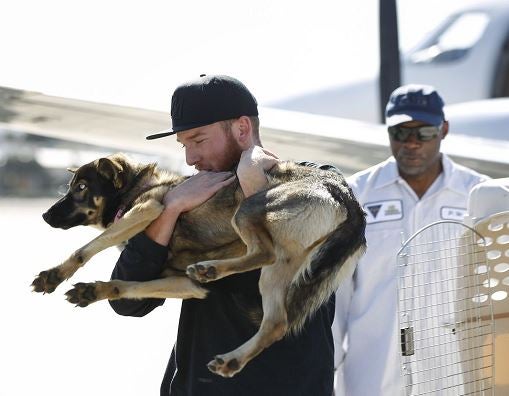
(191,157)
(412,140)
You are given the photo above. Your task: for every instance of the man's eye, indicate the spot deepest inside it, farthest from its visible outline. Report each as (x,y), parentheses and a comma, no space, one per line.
(199,141)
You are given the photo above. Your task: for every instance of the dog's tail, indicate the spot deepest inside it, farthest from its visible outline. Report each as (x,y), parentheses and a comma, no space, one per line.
(331,262)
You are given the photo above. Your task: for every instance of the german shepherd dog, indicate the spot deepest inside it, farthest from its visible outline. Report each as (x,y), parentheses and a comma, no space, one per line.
(305,231)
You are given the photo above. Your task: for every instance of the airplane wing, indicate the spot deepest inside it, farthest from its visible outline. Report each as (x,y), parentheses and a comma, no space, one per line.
(350,145)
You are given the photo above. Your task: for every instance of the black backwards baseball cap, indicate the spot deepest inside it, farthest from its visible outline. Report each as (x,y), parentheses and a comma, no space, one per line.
(207,100)
(415,103)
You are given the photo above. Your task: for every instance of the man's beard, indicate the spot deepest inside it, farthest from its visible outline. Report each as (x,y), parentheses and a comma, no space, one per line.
(232,154)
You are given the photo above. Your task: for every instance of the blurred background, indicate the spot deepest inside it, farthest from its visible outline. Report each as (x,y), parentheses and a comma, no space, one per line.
(82,79)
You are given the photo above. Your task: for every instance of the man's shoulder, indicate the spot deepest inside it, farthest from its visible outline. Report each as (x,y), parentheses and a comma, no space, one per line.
(471,174)
(464,176)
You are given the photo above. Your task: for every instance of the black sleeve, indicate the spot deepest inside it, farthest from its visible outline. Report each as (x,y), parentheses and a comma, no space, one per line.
(141,260)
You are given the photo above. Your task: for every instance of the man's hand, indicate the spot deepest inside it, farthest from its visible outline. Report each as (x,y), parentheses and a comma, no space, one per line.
(184,197)
(251,169)
(196,190)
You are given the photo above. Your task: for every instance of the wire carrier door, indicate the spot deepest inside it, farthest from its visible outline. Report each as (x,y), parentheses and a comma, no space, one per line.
(445,317)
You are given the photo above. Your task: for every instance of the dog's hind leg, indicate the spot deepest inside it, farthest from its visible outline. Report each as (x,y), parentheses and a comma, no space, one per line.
(259,249)
(274,283)
(134,221)
(83,294)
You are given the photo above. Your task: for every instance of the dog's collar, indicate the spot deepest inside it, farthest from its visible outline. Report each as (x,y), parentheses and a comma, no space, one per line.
(122,209)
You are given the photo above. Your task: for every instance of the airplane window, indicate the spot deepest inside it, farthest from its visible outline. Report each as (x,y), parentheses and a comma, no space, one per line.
(464,32)
(454,40)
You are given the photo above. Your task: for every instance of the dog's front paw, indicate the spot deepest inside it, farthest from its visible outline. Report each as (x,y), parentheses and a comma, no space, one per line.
(202,272)
(82,294)
(47,281)
(223,366)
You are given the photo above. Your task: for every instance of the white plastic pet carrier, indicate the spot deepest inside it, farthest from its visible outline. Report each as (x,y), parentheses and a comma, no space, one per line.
(453,300)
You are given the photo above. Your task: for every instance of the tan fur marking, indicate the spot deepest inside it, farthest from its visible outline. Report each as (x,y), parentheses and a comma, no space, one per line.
(134,221)
(98,201)
(172,287)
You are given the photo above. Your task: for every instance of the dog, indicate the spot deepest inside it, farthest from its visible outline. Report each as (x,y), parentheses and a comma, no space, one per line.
(305,231)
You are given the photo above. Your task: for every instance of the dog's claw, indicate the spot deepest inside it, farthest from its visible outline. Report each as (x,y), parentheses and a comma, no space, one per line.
(201,273)
(47,281)
(82,294)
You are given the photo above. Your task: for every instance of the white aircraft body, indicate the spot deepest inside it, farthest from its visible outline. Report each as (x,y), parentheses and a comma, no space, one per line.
(466,58)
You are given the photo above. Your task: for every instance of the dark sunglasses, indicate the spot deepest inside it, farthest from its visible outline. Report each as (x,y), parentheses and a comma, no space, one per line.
(424,133)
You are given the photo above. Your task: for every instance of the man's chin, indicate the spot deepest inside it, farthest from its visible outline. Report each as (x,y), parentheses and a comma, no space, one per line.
(410,166)
(411,170)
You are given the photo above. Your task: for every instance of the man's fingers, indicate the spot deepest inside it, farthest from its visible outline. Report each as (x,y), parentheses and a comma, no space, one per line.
(211,177)
(217,186)
(268,152)
(228,181)
(257,151)
(215,177)
(204,173)
(214,181)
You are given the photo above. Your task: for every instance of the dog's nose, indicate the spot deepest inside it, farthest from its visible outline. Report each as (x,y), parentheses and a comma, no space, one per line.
(46,217)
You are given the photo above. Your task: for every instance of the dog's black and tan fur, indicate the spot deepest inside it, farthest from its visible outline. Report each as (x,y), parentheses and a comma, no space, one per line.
(305,231)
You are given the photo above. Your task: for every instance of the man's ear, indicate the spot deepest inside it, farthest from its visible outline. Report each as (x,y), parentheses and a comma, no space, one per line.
(244,132)
(445,129)
(110,170)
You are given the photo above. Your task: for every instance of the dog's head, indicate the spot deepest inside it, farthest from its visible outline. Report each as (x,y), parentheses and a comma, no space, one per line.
(93,191)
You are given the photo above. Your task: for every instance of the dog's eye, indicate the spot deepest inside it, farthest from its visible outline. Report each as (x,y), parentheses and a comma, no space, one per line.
(81,186)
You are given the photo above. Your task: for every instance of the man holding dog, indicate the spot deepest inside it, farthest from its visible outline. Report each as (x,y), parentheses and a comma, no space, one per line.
(408,191)
(216,120)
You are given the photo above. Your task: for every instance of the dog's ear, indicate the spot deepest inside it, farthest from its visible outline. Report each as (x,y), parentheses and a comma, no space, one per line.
(72,170)
(111,170)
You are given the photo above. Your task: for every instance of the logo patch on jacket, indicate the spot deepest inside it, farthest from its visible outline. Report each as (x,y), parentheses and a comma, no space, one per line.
(380,211)
(451,213)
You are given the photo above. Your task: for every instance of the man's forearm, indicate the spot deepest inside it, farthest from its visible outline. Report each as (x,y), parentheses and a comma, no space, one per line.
(142,260)
(161,229)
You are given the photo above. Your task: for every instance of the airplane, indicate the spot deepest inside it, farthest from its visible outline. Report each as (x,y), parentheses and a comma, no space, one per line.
(466,57)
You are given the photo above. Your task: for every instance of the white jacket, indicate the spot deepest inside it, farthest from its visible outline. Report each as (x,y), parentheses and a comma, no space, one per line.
(366,322)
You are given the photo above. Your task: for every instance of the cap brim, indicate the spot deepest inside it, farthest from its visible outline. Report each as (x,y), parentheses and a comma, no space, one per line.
(400,118)
(174,130)
(160,134)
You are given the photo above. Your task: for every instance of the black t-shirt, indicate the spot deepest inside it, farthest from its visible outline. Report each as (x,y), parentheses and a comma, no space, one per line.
(296,365)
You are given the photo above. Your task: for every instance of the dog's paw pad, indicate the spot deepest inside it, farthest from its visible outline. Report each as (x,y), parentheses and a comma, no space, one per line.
(82,294)
(47,281)
(201,273)
(225,368)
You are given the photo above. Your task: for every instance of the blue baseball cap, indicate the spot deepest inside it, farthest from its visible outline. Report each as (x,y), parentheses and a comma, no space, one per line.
(415,102)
